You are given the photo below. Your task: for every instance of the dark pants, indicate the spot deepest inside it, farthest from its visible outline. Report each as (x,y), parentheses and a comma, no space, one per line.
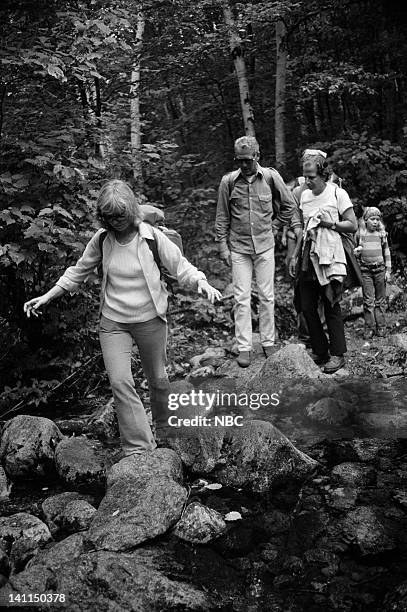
(310,292)
(374,295)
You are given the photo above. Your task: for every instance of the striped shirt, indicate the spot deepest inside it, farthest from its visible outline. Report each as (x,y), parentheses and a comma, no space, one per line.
(375,248)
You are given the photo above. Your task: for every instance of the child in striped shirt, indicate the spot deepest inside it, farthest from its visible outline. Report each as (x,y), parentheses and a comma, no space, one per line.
(375,264)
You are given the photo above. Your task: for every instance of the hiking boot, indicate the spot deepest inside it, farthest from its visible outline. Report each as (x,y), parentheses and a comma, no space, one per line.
(268,351)
(244,359)
(368,333)
(335,363)
(381,332)
(320,359)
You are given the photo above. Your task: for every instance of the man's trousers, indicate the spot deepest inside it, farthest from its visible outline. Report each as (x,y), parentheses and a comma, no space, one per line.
(243,266)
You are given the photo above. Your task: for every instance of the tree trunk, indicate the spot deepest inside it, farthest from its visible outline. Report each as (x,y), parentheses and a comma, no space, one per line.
(240,69)
(100,144)
(280,95)
(317,116)
(135,118)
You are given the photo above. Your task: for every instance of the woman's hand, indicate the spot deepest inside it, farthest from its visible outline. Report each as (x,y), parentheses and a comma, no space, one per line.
(325,219)
(357,250)
(292,265)
(388,276)
(33,306)
(212,294)
(226,257)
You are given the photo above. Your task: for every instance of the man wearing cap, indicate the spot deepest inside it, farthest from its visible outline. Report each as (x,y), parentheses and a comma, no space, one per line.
(247,201)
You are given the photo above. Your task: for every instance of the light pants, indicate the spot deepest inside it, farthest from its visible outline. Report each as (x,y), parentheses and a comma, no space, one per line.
(242,273)
(116,340)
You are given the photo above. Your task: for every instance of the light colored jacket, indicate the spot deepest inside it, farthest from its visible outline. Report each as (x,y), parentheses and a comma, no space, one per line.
(327,253)
(170,256)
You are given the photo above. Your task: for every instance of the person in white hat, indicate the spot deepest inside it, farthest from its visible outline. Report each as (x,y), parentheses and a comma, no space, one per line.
(327,212)
(248,200)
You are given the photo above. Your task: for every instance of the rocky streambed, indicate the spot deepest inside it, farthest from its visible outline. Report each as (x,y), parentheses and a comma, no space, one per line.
(225,518)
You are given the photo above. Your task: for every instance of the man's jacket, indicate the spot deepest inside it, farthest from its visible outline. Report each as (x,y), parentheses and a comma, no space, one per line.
(245,210)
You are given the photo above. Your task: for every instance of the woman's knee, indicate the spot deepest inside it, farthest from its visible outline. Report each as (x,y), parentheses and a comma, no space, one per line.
(121,383)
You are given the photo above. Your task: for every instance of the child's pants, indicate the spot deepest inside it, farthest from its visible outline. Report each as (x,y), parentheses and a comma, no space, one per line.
(374,294)
(116,340)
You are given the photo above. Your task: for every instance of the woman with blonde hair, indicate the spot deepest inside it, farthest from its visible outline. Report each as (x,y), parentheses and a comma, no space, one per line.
(133,305)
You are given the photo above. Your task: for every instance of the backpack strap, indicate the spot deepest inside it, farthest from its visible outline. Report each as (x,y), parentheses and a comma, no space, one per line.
(232,176)
(268,176)
(102,238)
(152,245)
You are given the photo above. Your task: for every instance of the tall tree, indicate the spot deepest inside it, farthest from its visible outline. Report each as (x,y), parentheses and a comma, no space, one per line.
(240,69)
(135,117)
(280,94)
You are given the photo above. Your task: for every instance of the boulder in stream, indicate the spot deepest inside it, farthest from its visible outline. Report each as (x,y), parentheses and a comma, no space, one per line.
(257,457)
(21,536)
(199,524)
(56,511)
(145,580)
(134,511)
(27,447)
(80,463)
(149,465)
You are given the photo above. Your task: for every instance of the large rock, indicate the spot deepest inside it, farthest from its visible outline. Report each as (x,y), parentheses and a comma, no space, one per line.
(159,462)
(353,475)
(399,340)
(79,463)
(231,370)
(28,445)
(258,456)
(77,516)
(55,509)
(285,365)
(329,410)
(199,453)
(366,530)
(21,536)
(73,427)
(134,511)
(113,582)
(4,561)
(360,449)
(5,485)
(60,553)
(103,424)
(199,524)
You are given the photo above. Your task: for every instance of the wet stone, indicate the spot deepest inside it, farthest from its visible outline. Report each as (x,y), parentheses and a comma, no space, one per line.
(342,498)
(21,536)
(366,530)
(134,511)
(257,457)
(54,508)
(159,462)
(353,475)
(5,485)
(27,447)
(103,423)
(79,464)
(199,524)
